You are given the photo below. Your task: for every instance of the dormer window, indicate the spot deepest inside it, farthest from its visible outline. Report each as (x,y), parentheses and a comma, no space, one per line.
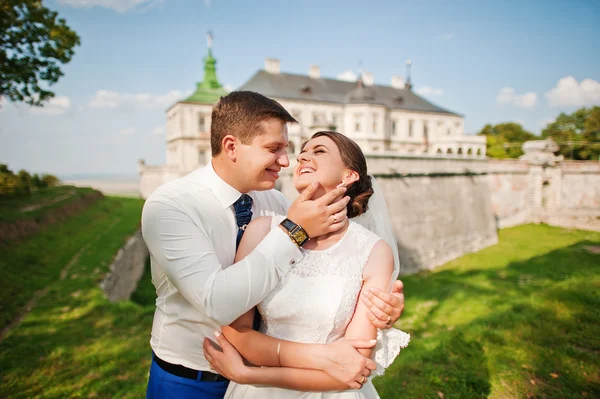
(305,90)
(399,100)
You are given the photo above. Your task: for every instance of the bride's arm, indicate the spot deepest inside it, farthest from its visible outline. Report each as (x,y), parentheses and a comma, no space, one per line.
(342,360)
(376,274)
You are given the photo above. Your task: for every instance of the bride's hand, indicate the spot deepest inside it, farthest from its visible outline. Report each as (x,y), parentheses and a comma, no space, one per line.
(385,308)
(227,361)
(342,361)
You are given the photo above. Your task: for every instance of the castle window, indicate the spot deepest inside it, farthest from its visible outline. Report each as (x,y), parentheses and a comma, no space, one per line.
(394,127)
(375,123)
(201,123)
(357,127)
(410,128)
(318,118)
(335,120)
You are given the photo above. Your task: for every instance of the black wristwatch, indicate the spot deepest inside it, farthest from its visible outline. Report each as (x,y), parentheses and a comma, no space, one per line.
(295,231)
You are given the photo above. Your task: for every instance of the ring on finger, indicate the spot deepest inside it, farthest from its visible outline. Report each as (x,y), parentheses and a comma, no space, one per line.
(334,218)
(364,379)
(389,320)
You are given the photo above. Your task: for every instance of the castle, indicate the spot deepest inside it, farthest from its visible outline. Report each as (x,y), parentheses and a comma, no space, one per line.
(384,120)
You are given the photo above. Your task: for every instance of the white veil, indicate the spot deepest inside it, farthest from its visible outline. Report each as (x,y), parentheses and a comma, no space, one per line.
(377,220)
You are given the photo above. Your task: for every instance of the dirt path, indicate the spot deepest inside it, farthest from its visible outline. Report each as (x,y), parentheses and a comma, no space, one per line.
(33,207)
(40,293)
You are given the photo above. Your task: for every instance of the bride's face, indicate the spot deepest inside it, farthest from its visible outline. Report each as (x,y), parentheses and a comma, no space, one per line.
(320,160)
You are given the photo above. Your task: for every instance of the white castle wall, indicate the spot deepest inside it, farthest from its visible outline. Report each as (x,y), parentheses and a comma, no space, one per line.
(443,208)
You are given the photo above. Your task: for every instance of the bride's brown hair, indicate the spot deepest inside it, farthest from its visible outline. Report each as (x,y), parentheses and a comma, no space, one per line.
(353,158)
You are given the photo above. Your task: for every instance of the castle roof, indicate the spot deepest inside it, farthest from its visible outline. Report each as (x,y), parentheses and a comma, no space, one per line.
(305,88)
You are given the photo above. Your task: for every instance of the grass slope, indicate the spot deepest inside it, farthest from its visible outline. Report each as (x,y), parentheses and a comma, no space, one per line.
(519,319)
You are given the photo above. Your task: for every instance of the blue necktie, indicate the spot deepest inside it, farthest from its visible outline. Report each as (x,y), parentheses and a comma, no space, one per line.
(243,215)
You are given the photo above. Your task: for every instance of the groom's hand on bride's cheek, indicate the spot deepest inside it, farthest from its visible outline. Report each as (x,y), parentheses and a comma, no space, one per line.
(323,215)
(385,308)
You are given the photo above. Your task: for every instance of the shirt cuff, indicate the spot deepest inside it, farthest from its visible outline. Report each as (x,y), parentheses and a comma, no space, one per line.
(278,247)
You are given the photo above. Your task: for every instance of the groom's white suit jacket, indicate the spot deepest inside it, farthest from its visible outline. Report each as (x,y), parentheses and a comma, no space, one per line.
(190,229)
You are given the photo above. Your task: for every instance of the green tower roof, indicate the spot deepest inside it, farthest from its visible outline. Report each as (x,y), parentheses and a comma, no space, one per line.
(209,91)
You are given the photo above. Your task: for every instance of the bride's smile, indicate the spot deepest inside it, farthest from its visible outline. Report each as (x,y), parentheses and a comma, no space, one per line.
(320,160)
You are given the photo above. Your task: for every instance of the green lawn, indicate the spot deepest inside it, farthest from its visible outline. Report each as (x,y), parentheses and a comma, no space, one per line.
(515,320)
(39,202)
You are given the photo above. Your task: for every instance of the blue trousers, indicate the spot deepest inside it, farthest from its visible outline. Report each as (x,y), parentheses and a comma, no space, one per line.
(164,385)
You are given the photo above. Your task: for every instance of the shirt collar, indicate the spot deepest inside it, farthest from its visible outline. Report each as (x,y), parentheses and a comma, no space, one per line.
(226,194)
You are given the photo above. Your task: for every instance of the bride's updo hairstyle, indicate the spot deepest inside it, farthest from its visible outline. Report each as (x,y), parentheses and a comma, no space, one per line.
(353,158)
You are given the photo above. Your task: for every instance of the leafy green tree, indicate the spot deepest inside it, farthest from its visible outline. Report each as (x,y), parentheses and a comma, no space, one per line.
(577,134)
(50,180)
(36,181)
(24,182)
(33,44)
(504,140)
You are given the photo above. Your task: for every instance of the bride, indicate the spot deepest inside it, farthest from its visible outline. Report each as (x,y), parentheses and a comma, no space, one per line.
(320,300)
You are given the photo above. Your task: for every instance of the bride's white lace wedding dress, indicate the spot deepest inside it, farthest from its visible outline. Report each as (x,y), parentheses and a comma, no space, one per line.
(314,303)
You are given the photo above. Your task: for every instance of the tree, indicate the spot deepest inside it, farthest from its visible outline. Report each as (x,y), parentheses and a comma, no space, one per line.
(505,140)
(577,134)
(33,44)
(25,183)
(50,180)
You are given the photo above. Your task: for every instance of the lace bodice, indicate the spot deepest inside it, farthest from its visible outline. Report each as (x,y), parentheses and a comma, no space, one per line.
(315,301)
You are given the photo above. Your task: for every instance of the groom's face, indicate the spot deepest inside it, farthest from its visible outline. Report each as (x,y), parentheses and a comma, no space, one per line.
(261,161)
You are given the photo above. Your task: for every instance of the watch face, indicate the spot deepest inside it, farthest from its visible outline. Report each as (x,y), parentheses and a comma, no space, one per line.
(300,236)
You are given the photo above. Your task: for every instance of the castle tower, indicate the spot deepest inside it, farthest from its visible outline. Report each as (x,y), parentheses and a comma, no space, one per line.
(188,121)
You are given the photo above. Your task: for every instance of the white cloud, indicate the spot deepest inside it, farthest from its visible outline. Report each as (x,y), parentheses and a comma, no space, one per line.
(158,131)
(117,5)
(128,131)
(347,75)
(207,3)
(107,99)
(569,92)
(507,95)
(55,106)
(429,91)
(446,36)
(228,87)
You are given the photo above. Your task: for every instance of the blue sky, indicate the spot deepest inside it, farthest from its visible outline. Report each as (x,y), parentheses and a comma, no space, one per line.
(492,61)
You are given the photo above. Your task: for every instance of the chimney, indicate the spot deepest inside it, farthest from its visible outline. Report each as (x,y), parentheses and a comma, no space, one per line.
(272,65)
(367,78)
(397,82)
(314,71)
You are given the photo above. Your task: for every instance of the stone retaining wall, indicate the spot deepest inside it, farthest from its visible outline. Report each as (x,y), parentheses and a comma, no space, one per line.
(127,269)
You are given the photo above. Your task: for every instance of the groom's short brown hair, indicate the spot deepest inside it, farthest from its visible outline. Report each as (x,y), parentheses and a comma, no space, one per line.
(239,114)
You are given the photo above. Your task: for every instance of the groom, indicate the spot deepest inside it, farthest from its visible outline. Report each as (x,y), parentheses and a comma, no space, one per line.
(192,226)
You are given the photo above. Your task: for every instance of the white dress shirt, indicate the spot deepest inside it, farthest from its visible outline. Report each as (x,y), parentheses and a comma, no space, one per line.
(190,229)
